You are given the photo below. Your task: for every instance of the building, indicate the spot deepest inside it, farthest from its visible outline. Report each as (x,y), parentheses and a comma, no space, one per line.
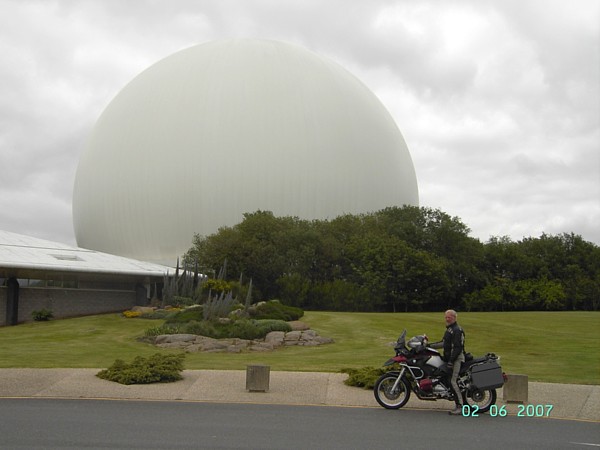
(37,274)
(231,127)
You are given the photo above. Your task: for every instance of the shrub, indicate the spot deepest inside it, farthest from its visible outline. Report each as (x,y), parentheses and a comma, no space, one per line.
(216,286)
(202,328)
(164,329)
(186,315)
(253,329)
(156,314)
(243,329)
(157,368)
(268,325)
(42,315)
(183,301)
(273,309)
(219,307)
(364,377)
(131,314)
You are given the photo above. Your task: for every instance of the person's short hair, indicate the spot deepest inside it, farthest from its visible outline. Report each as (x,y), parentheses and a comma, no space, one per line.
(452,312)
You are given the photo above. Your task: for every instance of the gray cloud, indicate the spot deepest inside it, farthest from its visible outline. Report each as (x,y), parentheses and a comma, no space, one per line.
(498,101)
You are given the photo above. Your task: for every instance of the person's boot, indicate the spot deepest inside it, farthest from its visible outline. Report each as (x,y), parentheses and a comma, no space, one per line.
(457,411)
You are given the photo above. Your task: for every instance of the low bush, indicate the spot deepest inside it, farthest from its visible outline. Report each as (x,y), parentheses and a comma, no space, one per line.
(158,368)
(164,329)
(157,314)
(131,314)
(268,325)
(273,309)
(240,328)
(364,377)
(186,315)
(201,328)
(42,315)
(180,301)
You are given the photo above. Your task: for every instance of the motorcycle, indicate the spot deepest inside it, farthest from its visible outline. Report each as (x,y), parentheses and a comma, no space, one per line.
(423,371)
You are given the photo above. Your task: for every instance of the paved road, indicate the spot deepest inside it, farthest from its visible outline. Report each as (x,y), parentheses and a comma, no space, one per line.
(118,424)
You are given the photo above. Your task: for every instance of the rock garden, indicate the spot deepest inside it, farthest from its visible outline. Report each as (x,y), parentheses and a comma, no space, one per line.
(265,326)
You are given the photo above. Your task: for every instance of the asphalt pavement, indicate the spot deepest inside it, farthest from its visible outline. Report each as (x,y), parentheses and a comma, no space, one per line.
(568,401)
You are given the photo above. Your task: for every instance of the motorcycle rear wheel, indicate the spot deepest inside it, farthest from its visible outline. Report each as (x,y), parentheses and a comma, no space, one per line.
(482,398)
(383,391)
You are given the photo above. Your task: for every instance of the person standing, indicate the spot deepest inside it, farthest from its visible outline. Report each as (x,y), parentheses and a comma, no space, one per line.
(453,344)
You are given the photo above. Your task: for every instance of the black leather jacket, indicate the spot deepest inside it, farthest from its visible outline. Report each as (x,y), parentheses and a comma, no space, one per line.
(453,342)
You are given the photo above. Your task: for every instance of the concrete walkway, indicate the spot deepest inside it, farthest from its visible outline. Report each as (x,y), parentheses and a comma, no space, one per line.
(290,388)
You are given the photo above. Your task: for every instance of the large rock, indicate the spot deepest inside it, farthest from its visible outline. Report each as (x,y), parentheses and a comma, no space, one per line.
(292,336)
(273,340)
(143,309)
(276,338)
(171,338)
(298,326)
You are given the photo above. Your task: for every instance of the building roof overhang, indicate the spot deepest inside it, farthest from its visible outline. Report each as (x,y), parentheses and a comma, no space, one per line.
(25,256)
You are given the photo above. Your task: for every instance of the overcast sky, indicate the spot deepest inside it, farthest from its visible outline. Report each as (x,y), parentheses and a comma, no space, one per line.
(498,101)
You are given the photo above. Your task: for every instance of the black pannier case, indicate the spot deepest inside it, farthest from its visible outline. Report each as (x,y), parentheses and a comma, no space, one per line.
(487,375)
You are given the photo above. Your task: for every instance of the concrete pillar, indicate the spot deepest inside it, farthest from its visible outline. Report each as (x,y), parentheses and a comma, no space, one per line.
(257,378)
(516,389)
(12,301)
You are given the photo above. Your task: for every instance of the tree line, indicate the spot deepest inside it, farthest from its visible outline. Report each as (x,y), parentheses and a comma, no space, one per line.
(401,259)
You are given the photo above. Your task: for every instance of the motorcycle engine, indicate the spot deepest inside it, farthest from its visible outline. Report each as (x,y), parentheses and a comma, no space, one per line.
(425,385)
(440,389)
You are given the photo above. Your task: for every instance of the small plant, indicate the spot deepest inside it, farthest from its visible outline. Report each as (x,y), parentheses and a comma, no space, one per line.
(158,368)
(181,301)
(268,325)
(164,329)
(216,285)
(42,315)
(219,307)
(364,377)
(273,309)
(131,314)
(186,315)
(157,314)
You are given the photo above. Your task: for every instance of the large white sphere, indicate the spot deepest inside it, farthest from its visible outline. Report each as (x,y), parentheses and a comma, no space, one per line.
(229,127)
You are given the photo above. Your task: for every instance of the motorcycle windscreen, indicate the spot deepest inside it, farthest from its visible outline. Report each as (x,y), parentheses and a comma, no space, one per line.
(487,375)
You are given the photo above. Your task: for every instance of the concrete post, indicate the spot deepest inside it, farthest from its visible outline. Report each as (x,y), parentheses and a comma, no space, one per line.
(257,378)
(516,389)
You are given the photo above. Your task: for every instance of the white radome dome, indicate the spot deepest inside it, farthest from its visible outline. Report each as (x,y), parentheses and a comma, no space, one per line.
(228,127)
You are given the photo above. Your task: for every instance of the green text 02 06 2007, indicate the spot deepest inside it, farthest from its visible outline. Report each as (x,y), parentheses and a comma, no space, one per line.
(500,411)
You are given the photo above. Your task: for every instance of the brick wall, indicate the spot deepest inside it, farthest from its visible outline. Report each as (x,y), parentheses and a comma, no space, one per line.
(67,302)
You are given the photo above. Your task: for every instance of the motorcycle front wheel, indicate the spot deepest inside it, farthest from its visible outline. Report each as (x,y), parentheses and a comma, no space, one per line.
(482,398)
(386,396)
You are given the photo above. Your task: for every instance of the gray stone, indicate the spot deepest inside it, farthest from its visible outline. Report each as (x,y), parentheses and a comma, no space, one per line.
(276,338)
(308,335)
(214,345)
(256,348)
(193,348)
(174,345)
(170,338)
(298,326)
(292,336)
(235,349)
(311,343)
(324,340)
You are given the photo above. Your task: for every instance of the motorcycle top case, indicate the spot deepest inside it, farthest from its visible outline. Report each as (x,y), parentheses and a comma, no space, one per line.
(487,375)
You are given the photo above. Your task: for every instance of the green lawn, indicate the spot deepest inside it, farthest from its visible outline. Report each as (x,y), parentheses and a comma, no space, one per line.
(548,346)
